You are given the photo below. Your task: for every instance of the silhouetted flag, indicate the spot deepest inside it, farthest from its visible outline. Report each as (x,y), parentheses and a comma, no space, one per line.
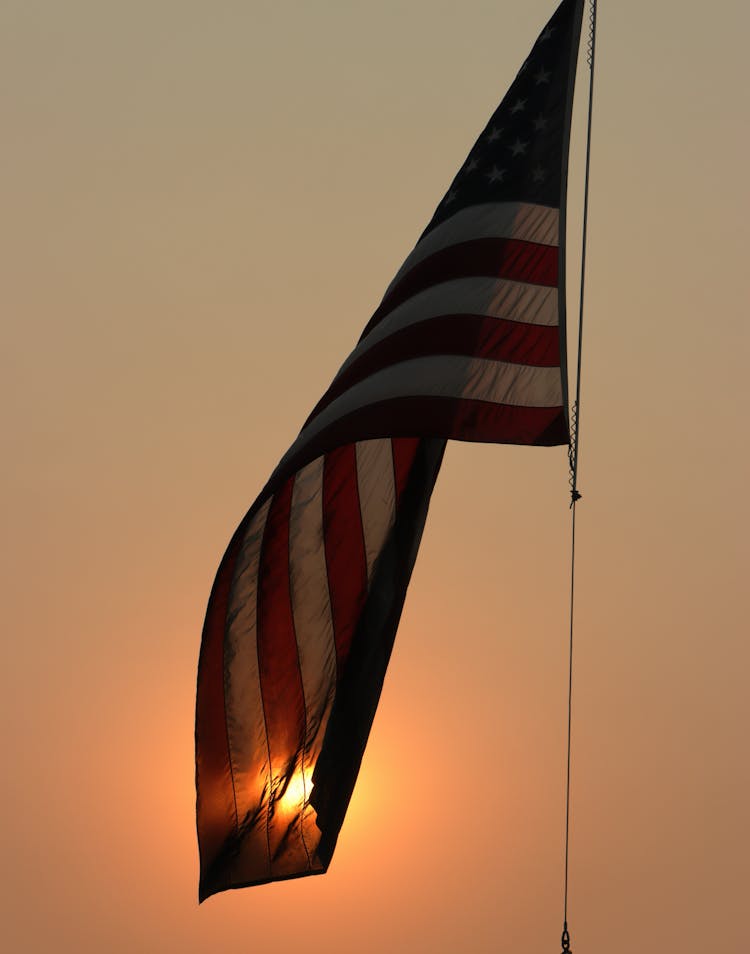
(466,344)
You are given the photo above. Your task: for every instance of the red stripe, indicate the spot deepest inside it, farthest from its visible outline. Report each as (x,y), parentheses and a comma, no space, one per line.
(471,335)
(512,259)
(278,661)
(344,545)
(404,452)
(440,417)
(216,811)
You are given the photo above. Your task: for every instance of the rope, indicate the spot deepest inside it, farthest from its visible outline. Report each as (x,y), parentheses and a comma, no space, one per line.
(573,454)
(575,439)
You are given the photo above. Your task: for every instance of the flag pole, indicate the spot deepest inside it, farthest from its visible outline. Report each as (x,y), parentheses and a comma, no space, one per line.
(574,451)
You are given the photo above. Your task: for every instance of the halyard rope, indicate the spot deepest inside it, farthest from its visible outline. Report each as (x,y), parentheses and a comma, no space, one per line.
(573,452)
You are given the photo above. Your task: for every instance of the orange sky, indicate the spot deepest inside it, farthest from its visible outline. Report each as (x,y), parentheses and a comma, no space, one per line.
(202,204)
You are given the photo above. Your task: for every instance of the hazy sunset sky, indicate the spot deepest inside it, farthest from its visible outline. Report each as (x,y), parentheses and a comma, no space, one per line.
(202,204)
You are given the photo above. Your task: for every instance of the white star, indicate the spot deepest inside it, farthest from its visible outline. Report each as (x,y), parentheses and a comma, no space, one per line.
(451,197)
(471,166)
(518,106)
(540,123)
(495,133)
(542,76)
(495,174)
(518,148)
(539,174)
(547,34)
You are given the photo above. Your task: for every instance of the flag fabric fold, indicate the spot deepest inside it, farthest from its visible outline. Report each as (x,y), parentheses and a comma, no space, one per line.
(467,343)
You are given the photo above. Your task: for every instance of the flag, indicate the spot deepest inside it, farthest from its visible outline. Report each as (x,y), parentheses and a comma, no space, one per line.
(467,343)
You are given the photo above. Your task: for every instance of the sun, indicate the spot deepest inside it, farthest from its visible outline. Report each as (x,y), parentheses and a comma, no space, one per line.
(297,793)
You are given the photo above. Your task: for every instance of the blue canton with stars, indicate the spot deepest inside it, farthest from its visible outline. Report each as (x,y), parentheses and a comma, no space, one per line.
(519,155)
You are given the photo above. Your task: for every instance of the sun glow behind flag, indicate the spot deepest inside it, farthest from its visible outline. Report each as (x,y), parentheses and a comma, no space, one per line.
(468,343)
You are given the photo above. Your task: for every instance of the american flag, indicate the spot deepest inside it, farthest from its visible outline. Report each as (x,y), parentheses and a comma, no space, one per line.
(467,343)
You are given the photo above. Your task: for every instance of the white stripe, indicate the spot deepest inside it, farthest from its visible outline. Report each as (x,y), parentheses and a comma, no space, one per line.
(377,495)
(313,623)
(449,376)
(246,729)
(516,220)
(311,606)
(490,297)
